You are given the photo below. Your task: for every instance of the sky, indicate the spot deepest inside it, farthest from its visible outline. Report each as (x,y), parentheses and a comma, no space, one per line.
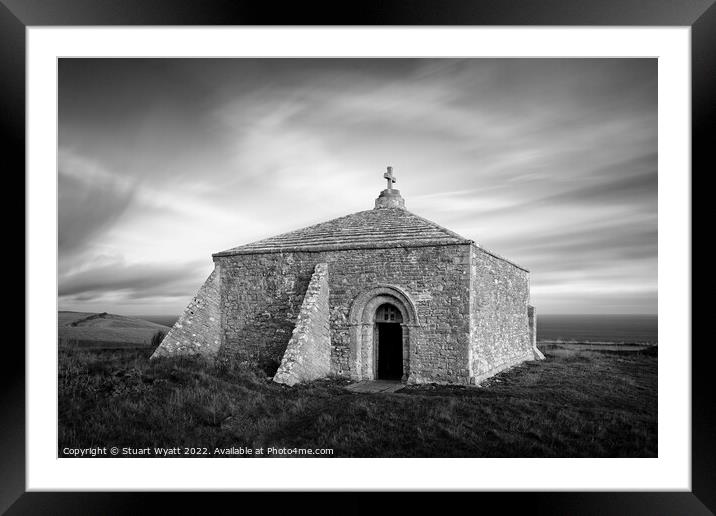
(551,163)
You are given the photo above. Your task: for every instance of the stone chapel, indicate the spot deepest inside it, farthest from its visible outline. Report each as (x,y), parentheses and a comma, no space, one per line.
(377,294)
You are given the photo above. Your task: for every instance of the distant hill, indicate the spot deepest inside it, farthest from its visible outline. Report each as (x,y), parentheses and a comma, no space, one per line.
(166,320)
(85,328)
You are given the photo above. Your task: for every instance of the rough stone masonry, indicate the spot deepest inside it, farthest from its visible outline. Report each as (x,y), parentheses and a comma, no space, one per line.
(375,294)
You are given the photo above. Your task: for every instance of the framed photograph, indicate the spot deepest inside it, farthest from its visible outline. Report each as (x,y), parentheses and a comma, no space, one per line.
(414,250)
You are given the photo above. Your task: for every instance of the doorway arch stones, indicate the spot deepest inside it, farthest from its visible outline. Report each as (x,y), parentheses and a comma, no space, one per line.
(362,329)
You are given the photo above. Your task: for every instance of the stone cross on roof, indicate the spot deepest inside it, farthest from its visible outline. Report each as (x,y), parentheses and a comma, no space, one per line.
(389,176)
(390,197)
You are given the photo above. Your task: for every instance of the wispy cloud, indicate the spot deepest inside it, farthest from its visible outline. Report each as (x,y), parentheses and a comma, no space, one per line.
(551,162)
(135,280)
(91,200)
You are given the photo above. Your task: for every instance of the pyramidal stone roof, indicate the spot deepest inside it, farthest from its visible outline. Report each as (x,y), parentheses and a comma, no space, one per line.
(380,227)
(389,224)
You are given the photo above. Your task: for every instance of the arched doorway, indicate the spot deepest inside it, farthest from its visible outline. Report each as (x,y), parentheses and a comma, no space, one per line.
(365,333)
(389,342)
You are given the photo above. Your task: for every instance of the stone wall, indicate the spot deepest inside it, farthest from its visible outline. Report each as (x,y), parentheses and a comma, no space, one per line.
(308,354)
(261,297)
(435,278)
(500,336)
(197,331)
(262,294)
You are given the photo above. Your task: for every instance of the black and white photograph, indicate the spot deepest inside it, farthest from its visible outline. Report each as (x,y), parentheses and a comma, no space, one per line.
(357,257)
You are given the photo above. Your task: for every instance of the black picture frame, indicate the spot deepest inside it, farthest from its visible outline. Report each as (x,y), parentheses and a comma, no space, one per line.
(699,15)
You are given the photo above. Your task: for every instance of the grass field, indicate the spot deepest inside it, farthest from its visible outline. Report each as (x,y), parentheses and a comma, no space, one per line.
(87,329)
(574,404)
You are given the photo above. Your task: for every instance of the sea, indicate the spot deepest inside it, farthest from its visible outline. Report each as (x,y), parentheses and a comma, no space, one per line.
(628,329)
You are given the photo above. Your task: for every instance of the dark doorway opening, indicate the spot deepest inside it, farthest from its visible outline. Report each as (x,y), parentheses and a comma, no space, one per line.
(390,351)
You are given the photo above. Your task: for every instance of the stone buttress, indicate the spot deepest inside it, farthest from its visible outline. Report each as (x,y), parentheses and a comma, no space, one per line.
(308,354)
(198,330)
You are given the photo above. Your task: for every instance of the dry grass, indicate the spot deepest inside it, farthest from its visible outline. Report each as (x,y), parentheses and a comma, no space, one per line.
(114,330)
(577,404)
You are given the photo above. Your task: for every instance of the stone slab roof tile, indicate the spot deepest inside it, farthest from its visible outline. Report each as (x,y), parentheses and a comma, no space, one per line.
(387,227)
